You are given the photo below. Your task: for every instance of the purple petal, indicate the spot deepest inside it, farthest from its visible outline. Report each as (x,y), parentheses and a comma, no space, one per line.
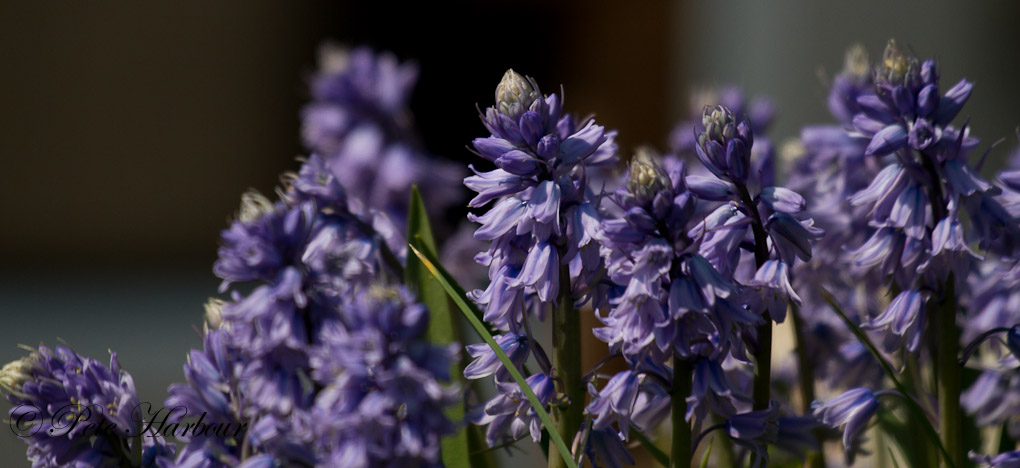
(890,139)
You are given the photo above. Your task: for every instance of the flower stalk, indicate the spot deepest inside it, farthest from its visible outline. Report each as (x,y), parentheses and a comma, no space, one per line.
(805,378)
(566,334)
(947,352)
(763,353)
(682,450)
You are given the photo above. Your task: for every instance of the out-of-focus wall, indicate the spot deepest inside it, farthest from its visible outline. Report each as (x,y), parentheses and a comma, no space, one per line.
(129,129)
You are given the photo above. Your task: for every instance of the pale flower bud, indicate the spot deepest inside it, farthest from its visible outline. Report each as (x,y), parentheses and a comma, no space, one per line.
(646,177)
(214,313)
(515,94)
(253,206)
(14,374)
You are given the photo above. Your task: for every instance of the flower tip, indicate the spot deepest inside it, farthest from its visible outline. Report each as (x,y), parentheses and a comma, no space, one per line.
(253,206)
(14,374)
(646,178)
(515,93)
(214,313)
(898,66)
(855,62)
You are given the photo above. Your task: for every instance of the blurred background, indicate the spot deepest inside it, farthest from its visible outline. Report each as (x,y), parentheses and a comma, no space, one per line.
(128,131)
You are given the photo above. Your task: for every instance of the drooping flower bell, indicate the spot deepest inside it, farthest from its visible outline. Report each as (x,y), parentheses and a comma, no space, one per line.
(852,410)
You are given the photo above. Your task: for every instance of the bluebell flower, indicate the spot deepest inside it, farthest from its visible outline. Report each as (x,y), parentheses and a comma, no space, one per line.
(713,391)
(792,237)
(486,362)
(852,410)
(1003,460)
(927,177)
(949,251)
(711,188)
(773,280)
(760,112)
(509,415)
(605,449)
(59,397)
(994,400)
(904,317)
(630,398)
(755,430)
(783,200)
(353,86)
(652,251)
(905,109)
(721,234)
(615,401)
(327,362)
(265,239)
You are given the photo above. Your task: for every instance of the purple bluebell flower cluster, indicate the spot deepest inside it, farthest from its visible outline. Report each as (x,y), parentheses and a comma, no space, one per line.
(901,192)
(674,244)
(318,351)
(916,201)
(545,214)
(76,411)
(320,310)
(376,396)
(542,227)
(359,122)
(877,228)
(685,291)
(760,112)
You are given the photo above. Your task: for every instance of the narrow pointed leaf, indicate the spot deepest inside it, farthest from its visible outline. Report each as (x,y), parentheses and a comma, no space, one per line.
(443,329)
(472,314)
(708,453)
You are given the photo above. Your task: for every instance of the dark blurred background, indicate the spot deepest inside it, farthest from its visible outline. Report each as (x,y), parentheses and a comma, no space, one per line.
(128,131)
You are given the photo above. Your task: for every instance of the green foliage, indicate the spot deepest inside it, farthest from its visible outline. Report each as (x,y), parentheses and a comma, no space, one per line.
(428,260)
(443,329)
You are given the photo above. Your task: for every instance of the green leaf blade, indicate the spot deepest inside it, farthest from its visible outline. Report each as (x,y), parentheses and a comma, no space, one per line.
(473,316)
(443,329)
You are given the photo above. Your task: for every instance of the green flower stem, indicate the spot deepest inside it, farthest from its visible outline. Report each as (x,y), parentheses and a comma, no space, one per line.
(805,379)
(948,337)
(566,361)
(947,352)
(682,451)
(763,354)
